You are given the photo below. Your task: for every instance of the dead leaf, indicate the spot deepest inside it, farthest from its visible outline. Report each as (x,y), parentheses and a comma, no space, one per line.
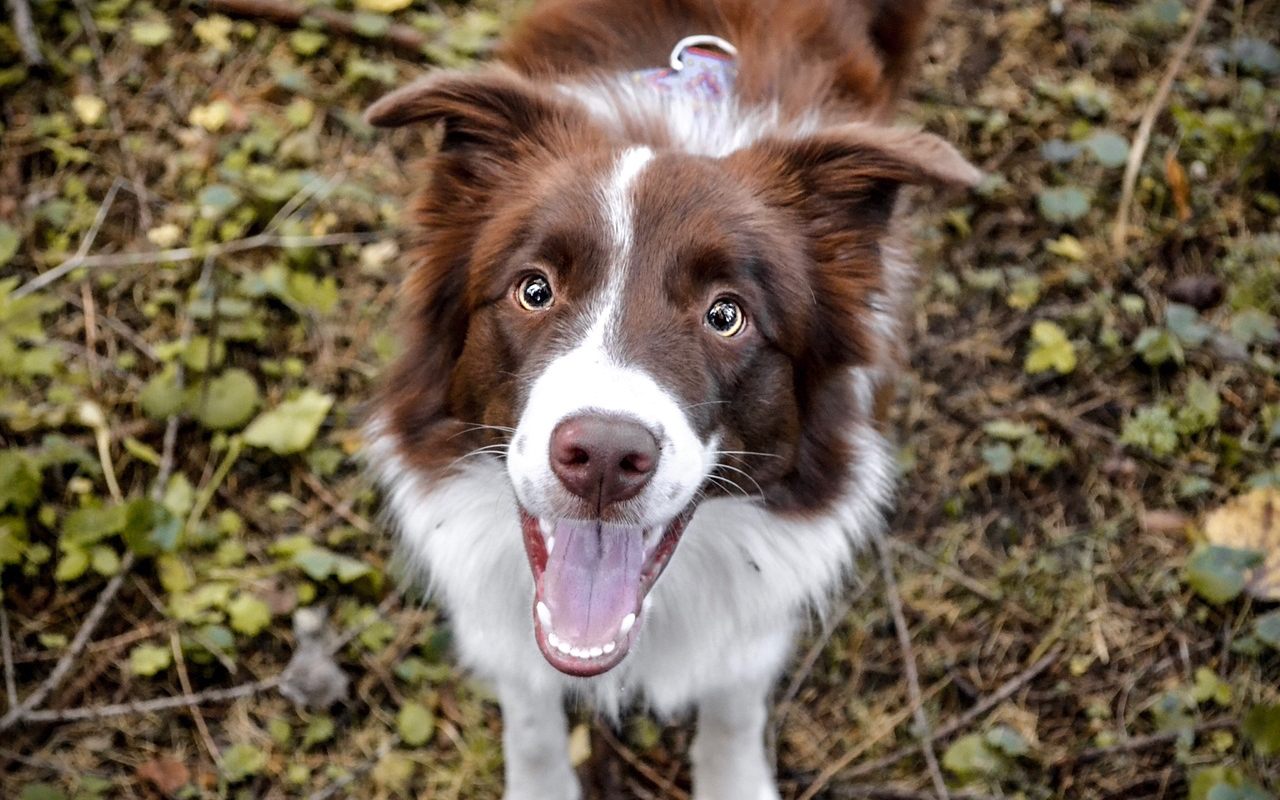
(1252,522)
(165,774)
(1178,186)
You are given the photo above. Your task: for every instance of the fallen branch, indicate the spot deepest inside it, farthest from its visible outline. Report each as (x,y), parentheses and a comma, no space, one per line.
(157,704)
(25,30)
(260,241)
(26,710)
(923,729)
(1120,232)
(663,784)
(282,12)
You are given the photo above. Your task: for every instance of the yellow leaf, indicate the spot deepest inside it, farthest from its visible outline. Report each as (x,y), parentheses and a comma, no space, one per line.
(1067,246)
(383,6)
(211,117)
(89,109)
(1252,522)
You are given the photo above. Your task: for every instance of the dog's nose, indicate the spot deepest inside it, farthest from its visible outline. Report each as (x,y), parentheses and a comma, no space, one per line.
(603,459)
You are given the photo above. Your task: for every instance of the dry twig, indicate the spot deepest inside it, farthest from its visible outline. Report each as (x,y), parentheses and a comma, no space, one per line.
(185,681)
(923,729)
(1120,232)
(24,28)
(257,242)
(10,687)
(157,704)
(662,783)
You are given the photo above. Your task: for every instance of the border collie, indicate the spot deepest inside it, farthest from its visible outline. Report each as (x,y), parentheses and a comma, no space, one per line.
(634,435)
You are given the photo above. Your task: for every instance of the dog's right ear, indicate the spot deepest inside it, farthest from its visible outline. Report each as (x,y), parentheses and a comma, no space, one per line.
(494,109)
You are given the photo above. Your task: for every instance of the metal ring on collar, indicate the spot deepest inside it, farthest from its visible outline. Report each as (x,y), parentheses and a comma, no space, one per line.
(694,41)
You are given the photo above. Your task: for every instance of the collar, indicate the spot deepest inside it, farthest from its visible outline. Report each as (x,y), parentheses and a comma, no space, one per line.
(703,67)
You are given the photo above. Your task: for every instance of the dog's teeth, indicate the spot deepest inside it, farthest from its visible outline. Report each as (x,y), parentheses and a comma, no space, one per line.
(547,527)
(544,615)
(580,652)
(553,641)
(596,652)
(608,648)
(627,622)
(563,647)
(644,606)
(551,544)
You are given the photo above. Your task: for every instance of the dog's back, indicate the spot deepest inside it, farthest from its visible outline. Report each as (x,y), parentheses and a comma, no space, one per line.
(796,52)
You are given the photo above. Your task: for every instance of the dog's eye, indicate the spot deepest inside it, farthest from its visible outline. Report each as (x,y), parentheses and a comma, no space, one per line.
(725,317)
(534,293)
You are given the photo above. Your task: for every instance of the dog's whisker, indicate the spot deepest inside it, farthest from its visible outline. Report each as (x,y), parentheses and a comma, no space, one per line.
(745,474)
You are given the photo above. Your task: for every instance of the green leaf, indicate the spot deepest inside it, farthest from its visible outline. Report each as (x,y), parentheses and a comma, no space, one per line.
(1158,345)
(248,614)
(291,426)
(1008,741)
(161,397)
(1185,323)
(241,761)
(1108,147)
(307,43)
(320,729)
(1209,686)
(150,528)
(1201,409)
(415,724)
(41,791)
(1153,429)
(72,564)
(999,458)
(1218,573)
(1051,350)
(1267,629)
(971,757)
(148,659)
(87,526)
(14,541)
(227,402)
(1063,204)
(9,241)
(20,480)
(1262,728)
(150,32)
(104,560)
(1035,451)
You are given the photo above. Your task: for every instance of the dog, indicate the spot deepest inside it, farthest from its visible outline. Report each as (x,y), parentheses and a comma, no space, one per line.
(635,435)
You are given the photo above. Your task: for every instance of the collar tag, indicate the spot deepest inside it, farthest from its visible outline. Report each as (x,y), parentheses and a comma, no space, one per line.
(696,69)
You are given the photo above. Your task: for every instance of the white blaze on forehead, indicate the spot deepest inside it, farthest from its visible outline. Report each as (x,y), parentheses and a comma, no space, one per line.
(616,199)
(589,379)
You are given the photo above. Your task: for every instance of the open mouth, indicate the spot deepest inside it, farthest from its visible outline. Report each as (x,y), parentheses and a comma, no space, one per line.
(591,579)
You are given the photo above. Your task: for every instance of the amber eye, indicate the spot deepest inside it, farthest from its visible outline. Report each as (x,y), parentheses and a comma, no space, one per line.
(534,293)
(725,317)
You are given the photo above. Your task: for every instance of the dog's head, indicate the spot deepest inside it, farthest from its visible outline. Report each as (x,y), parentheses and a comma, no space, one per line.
(633,329)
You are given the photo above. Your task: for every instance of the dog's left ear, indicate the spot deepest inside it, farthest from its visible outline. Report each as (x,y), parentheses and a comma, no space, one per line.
(842,184)
(494,110)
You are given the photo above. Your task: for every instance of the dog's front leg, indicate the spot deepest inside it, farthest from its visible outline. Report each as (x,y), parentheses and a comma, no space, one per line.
(728,753)
(535,745)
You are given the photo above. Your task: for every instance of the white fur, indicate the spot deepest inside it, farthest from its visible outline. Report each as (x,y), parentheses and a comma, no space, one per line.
(694,125)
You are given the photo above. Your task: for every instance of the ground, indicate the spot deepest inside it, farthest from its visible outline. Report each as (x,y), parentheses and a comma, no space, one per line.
(1076,407)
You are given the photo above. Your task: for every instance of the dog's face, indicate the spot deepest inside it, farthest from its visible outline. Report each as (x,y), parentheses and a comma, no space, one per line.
(634,329)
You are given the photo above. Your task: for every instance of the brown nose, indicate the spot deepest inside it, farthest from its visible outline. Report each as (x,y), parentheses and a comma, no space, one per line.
(603,459)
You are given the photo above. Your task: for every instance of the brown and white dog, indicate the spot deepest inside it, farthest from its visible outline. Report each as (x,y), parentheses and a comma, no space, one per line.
(634,436)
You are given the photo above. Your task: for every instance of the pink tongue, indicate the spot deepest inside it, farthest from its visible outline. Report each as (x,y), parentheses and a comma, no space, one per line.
(592,580)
